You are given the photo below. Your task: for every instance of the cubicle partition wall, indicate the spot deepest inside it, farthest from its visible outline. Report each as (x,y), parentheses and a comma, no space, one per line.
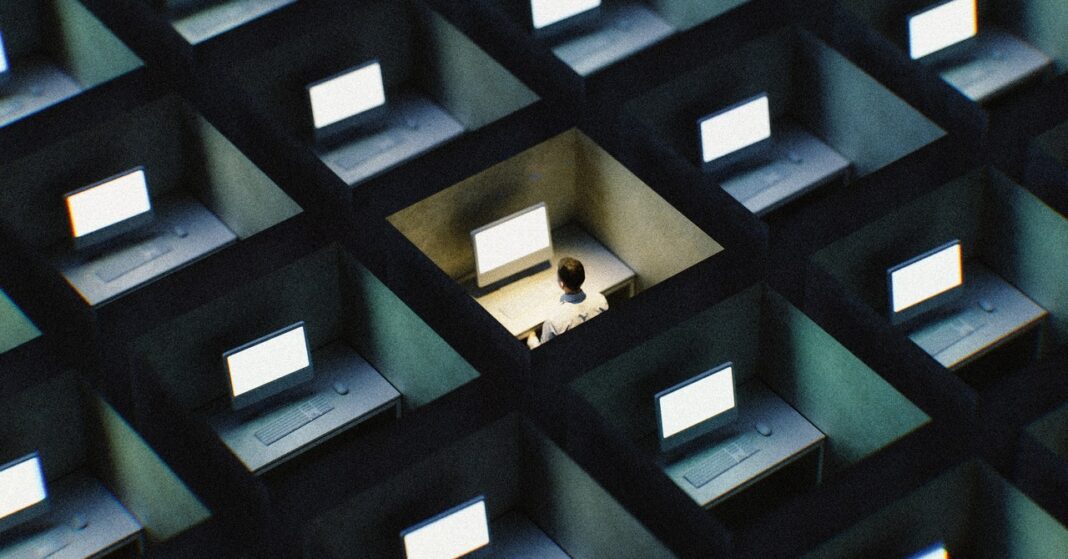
(532,489)
(970,509)
(773,344)
(55,49)
(15,327)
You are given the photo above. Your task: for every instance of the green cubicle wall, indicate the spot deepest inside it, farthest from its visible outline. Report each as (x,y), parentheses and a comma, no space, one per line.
(180,152)
(65,33)
(998,222)
(807,82)
(1055,142)
(766,338)
(974,511)
(517,468)
(337,298)
(75,430)
(1052,430)
(15,328)
(1039,22)
(579,182)
(418,49)
(684,14)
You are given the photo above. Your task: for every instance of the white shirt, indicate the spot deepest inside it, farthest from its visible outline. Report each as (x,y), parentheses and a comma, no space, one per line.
(572,310)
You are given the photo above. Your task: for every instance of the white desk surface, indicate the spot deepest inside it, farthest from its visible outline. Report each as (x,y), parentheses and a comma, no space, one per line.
(219,18)
(625,29)
(999,63)
(369,393)
(523,304)
(819,164)
(110,526)
(35,84)
(1013,315)
(205,234)
(792,436)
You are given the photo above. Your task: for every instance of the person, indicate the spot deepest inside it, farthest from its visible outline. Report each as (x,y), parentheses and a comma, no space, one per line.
(575,305)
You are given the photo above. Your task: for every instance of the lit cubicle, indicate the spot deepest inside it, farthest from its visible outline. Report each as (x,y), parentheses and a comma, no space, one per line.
(438,83)
(198,21)
(15,327)
(532,488)
(105,485)
(190,167)
(810,87)
(1002,227)
(971,509)
(584,189)
(773,345)
(55,50)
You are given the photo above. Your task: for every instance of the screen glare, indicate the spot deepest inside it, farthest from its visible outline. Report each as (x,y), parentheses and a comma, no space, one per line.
(347,95)
(735,129)
(547,12)
(108,203)
(3,55)
(940,27)
(937,552)
(268,361)
(926,278)
(697,402)
(512,240)
(452,536)
(21,486)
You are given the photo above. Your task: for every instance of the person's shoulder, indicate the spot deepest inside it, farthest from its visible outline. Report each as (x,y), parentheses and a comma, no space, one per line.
(596,299)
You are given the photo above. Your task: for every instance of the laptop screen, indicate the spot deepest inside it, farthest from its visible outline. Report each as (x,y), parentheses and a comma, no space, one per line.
(941,26)
(346,95)
(108,202)
(453,533)
(547,12)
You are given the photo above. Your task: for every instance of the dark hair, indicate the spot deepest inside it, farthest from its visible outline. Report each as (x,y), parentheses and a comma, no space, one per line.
(571,272)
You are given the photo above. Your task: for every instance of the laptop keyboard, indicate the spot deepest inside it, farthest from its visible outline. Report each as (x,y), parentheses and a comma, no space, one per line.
(937,338)
(720,461)
(117,264)
(366,148)
(752,183)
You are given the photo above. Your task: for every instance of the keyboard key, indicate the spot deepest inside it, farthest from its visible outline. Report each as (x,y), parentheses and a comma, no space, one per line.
(294,417)
(721,460)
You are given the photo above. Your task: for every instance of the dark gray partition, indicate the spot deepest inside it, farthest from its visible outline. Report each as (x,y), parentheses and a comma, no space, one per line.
(517,468)
(579,182)
(1052,431)
(769,339)
(337,298)
(974,511)
(76,431)
(807,82)
(15,327)
(999,223)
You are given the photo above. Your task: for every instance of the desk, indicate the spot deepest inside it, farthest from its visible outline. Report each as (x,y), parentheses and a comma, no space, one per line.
(110,526)
(624,30)
(995,63)
(369,394)
(792,437)
(1013,315)
(800,162)
(35,84)
(199,233)
(207,22)
(522,305)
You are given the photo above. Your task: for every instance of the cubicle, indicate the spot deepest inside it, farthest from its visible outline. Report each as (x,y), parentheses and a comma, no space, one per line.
(15,327)
(198,21)
(540,502)
(1004,229)
(439,84)
(811,88)
(970,509)
(588,194)
(774,347)
(204,192)
(56,49)
(108,489)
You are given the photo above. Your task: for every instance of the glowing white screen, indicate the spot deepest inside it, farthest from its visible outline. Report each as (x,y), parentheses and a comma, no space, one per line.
(347,95)
(934,553)
(697,402)
(108,203)
(268,361)
(3,55)
(507,242)
(452,536)
(735,129)
(548,12)
(941,27)
(21,486)
(926,278)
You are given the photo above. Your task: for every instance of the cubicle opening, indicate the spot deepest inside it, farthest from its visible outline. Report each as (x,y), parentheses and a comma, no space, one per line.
(533,490)
(777,351)
(1004,230)
(841,114)
(96,466)
(589,195)
(971,510)
(1039,23)
(203,191)
(55,50)
(438,83)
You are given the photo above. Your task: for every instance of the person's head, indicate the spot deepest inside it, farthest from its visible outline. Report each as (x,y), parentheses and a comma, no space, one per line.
(571,274)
